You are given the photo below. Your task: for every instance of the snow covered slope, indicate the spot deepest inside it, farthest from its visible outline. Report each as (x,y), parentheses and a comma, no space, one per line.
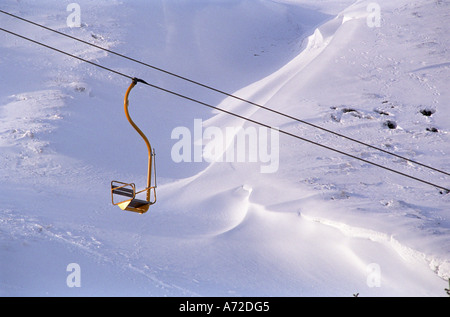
(318,224)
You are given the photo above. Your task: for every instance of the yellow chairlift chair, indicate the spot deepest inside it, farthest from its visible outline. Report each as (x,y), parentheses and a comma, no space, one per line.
(129,189)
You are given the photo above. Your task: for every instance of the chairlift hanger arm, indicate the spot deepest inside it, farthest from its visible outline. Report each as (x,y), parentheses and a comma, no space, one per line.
(120,188)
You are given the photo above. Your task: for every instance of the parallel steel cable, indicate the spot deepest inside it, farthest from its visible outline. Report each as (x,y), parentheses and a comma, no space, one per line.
(229,94)
(68,54)
(227,112)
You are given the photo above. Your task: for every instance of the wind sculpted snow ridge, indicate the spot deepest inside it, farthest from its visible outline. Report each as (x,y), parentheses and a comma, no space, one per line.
(439,265)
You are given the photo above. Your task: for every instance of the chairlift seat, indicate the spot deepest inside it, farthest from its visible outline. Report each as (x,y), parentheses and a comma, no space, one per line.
(132,204)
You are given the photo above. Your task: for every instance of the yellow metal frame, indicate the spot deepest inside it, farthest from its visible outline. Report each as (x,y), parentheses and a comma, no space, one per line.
(129,189)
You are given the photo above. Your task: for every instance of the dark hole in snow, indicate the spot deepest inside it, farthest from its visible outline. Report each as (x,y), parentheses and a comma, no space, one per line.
(391,124)
(427,112)
(346,110)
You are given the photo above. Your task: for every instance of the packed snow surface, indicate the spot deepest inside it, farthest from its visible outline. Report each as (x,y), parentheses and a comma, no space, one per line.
(295,219)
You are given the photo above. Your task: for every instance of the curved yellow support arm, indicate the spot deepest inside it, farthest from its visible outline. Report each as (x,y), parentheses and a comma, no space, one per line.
(149,187)
(128,189)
